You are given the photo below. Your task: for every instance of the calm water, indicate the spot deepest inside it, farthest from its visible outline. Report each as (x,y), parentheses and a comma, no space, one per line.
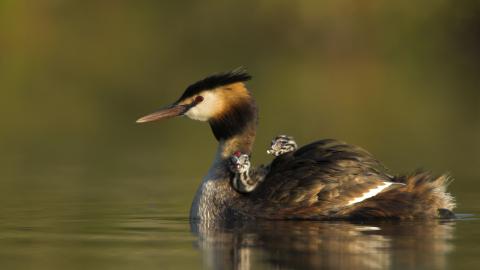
(152,235)
(83,187)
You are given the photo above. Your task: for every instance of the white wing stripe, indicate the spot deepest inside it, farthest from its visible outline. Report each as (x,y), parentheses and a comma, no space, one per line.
(372,192)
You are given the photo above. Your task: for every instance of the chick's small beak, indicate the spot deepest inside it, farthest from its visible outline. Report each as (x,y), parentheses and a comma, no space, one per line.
(169,112)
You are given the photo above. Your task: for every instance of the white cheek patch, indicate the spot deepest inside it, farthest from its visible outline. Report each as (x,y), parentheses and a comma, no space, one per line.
(208,108)
(372,192)
(195,114)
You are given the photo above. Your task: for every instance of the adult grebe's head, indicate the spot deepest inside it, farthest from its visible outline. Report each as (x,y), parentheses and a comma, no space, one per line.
(221,99)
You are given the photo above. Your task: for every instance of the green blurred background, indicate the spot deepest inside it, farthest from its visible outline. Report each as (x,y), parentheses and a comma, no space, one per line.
(400,79)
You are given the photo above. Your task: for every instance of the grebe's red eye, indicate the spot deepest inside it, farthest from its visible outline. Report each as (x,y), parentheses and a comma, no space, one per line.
(198,99)
(237,154)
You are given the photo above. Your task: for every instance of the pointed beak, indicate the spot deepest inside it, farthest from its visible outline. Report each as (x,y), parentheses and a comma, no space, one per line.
(169,112)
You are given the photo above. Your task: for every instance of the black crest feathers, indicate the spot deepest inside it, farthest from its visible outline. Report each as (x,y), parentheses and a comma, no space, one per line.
(216,80)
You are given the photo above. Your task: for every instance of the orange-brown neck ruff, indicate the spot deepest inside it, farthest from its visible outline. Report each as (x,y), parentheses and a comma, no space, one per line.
(237,119)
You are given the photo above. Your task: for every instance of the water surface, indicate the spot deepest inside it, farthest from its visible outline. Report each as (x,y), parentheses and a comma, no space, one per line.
(155,236)
(83,187)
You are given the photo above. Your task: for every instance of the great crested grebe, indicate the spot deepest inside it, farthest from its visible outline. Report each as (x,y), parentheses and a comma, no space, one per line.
(327,179)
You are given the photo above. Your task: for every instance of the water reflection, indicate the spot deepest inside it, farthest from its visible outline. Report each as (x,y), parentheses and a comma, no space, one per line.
(315,245)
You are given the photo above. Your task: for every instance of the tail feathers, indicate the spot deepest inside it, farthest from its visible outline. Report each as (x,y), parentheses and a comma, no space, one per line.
(423,196)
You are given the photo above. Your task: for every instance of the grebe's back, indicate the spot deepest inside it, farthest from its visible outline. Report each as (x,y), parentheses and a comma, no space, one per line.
(329,179)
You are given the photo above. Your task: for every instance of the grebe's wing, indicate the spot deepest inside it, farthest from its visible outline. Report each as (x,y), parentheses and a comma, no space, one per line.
(318,180)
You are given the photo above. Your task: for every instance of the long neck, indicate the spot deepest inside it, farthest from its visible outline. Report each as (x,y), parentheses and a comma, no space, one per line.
(215,194)
(242,142)
(235,129)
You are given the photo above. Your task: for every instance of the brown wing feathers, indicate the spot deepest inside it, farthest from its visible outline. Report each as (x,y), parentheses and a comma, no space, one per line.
(423,196)
(330,179)
(317,180)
